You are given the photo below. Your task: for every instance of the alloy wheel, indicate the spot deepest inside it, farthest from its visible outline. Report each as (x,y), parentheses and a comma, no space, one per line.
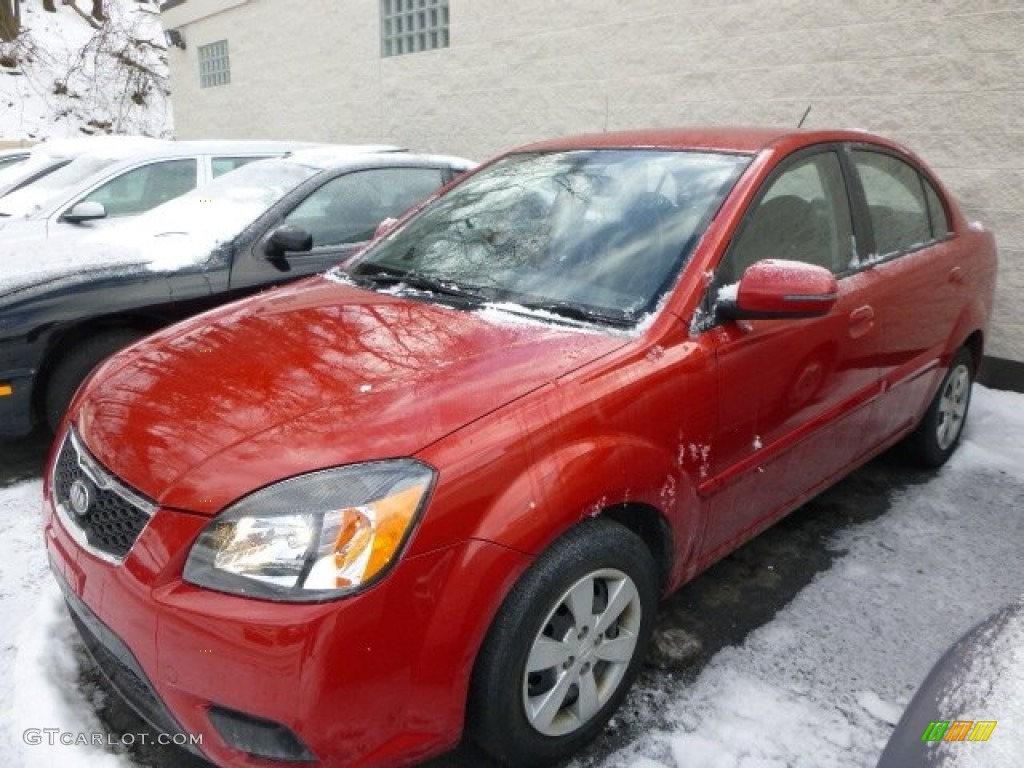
(582,652)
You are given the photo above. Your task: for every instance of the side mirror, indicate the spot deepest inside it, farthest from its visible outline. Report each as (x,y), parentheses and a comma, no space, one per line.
(85,211)
(384,227)
(287,238)
(778,289)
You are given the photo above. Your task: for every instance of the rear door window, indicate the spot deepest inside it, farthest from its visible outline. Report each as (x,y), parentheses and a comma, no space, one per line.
(895,197)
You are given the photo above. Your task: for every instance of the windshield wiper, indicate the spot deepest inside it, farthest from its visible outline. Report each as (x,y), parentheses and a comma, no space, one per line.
(418,282)
(577,312)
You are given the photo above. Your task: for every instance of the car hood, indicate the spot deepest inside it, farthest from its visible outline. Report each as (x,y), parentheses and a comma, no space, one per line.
(311,376)
(19,226)
(35,260)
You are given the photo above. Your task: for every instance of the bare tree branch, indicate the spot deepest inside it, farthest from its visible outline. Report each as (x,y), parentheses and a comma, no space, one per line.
(89,19)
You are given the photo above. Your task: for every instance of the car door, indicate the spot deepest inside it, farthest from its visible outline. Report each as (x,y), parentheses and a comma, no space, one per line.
(793,395)
(341,215)
(133,191)
(920,279)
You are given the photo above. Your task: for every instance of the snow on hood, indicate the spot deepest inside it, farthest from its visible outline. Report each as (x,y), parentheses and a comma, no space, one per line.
(33,260)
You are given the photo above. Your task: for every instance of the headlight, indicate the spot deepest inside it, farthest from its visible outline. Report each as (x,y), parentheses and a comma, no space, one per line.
(313,537)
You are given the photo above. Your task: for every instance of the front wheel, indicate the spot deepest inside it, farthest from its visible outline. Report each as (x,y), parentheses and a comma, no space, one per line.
(73,368)
(565,646)
(936,437)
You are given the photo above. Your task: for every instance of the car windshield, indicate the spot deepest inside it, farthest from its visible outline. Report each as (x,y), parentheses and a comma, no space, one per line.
(216,212)
(11,161)
(24,173)
(594,235)
(53,186)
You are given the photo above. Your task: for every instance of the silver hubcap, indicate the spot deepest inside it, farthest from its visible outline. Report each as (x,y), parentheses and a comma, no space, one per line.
(953,406)
(582,652)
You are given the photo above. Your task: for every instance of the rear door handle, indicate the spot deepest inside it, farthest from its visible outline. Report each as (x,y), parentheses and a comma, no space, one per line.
(957,276)
(862,320)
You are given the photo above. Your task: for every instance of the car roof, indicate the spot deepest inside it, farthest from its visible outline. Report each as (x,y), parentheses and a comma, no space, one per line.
(156,149)
(132,148)
(738,139)
(108,145)
(328,155)
(335,157)
(224,146)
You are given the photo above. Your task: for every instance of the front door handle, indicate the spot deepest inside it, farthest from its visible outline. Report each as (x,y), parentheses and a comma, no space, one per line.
(862,320)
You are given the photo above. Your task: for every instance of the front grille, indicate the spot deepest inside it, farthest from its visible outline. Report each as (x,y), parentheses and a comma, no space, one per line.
(102,513)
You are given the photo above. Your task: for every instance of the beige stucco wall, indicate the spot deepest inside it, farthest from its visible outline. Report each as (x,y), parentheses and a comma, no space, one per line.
(944,76)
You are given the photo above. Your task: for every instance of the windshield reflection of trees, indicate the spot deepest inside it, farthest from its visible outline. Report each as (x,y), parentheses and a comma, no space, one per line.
(607,230)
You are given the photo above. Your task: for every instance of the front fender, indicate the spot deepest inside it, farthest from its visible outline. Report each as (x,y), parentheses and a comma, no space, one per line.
(583,479)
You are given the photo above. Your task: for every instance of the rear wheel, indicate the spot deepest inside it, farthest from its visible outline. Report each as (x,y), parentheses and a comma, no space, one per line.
(565,647)
(936,437)
(75,365)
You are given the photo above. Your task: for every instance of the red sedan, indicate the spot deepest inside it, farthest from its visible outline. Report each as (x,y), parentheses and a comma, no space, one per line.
(442,488)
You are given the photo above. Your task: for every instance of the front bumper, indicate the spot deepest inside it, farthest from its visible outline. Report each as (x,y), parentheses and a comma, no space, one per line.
(377,679)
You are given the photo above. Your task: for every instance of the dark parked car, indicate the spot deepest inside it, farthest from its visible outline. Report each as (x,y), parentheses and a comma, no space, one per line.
(443,488)
(64,306)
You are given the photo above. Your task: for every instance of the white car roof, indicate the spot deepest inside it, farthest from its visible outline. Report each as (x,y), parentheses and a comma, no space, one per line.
(343,156)
(107,145)
(328,155)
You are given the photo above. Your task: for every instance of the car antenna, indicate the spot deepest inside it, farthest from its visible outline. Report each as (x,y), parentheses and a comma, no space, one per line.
(806,113)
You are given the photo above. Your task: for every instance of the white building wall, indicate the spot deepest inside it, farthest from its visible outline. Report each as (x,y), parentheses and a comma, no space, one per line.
(946,77)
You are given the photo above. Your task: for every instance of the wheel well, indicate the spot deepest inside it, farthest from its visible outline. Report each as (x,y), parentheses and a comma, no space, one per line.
(67,338)
(975,344)
(647,523)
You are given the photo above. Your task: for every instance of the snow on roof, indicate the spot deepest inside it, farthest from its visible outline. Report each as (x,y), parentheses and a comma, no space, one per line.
(328,155)
(108,146)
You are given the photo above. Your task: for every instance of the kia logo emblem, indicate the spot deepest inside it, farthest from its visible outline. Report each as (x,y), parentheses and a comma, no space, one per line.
(80,498)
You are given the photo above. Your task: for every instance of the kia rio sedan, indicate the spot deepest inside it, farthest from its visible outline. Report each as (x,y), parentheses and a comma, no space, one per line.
(441,489)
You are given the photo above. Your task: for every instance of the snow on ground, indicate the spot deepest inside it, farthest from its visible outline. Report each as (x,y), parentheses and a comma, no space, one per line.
(819,686)
(822,684)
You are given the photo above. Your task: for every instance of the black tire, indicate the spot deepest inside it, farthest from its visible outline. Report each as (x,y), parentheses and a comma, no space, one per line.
(75,365)
(607,572)
(937,435)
